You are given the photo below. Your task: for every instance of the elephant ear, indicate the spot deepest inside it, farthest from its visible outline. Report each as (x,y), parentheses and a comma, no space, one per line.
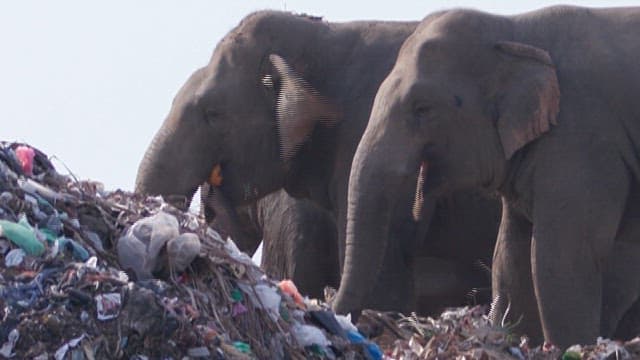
(299,108)
(531,100)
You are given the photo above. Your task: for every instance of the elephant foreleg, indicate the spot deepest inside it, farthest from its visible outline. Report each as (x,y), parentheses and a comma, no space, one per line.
(576,219)
(514,300)
(621,287)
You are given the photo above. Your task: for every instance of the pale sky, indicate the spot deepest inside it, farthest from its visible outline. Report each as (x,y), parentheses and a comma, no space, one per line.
(90,82)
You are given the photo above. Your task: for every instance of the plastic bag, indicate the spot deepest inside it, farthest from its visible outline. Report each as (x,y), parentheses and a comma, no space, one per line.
(182,250)
(25,155)
(289,288)
(307,335)
(22,235)
(264,296)
(140,248)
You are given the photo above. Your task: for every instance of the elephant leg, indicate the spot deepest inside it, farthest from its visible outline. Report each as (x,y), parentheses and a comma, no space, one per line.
(299,243)
(314,246)
(621,290)
(629,326)
(512,286)
(580,196)
(441,283)
(394,288)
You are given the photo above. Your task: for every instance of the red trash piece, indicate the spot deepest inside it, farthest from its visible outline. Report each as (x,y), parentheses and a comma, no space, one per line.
(26,154)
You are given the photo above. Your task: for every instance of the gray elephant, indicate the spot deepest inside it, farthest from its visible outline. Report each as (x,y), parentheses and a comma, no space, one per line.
(283,103)
(542,108)
(299,237)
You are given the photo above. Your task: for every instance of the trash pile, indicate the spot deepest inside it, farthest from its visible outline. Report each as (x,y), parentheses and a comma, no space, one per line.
(92,274)
(467,333)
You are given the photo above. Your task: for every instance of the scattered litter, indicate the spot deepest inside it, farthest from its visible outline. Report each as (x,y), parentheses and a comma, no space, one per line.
(289,288)
(199,352)
(25,155)
(62,351)
(14,258)
(307,335)
(182,250)
(108,306)
(22,235)
(7,348)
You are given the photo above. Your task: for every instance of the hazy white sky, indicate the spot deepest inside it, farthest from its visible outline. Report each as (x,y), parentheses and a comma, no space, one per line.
(90,82)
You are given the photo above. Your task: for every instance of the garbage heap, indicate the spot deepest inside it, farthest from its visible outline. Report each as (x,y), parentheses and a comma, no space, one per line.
(466,333)
(91,274)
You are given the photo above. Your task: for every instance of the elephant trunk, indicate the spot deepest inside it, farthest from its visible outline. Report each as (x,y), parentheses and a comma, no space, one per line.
(375,181)
(148,169)
(159,169)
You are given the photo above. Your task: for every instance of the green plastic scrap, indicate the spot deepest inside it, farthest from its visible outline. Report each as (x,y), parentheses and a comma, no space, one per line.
(236,295)
(317,350)
(77,250)
(22,235)
(571,355)
(243,347)
(49,234)
(284,312)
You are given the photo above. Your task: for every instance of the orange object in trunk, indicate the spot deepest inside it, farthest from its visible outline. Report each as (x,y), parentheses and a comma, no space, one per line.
(215,178)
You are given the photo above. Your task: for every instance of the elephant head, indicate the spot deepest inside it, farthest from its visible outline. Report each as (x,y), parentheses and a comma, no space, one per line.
(464,97)
(248,112)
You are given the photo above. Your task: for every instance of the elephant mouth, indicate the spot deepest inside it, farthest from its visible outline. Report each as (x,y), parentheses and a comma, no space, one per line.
(430,184)
(181,202)
(434,180)
(431,181)
(221,178)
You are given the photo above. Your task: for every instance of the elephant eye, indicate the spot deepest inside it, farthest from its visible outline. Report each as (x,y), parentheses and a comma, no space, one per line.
(271,85)
(457,100)
(212,115)
(421,110)
(421,114)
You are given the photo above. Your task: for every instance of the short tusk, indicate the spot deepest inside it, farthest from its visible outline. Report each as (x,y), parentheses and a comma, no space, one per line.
(418,202)
(215,178)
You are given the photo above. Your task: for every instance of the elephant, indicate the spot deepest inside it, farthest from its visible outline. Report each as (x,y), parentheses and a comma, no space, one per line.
(283,103)
(299,237)
(300,243)
(541,109)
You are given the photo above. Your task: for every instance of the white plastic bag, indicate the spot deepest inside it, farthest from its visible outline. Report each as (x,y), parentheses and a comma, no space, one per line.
(307,335)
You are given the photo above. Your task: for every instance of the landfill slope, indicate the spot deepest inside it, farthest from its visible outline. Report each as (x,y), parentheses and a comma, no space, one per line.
(87,273)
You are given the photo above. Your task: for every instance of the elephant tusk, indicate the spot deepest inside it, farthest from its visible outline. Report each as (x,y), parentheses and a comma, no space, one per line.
(418,202)
(215,178)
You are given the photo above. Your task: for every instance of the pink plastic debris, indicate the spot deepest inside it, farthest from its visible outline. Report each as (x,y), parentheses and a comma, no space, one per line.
(26,154)
(238,309)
